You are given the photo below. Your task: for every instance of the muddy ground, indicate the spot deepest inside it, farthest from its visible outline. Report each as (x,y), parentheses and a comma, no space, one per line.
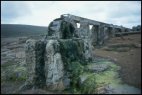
(127,54)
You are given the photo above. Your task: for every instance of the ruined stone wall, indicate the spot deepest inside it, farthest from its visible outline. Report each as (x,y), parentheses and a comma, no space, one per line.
(68,30)
(97,34)
(103,32)
(49,61)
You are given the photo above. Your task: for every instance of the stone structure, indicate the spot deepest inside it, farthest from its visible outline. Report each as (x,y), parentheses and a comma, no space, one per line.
(69,40)
(136,28)
(90,30)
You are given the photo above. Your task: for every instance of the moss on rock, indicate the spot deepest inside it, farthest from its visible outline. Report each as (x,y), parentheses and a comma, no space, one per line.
(75,69)
(67,30)
(72,50)
(89,85)
(97,80)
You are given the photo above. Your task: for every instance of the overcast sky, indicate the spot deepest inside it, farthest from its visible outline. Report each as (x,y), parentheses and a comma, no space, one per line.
(41,13)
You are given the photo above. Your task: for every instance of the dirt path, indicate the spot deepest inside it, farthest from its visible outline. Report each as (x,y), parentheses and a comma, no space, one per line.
(130,61)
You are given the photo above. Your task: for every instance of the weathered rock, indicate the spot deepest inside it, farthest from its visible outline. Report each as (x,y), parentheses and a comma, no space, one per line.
(67,30)
(40,76)
(30,59)
(54,68)
(61,29)
(48,65)
(58,58)
(136,28)
(72,50)
(87,50)
(66,81)
(35,62)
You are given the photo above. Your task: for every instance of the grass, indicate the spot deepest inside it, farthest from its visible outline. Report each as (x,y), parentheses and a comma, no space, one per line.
(13,71)
(95,81)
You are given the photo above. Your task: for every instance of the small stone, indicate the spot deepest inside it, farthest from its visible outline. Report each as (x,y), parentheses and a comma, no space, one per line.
(66,82)
(98,67)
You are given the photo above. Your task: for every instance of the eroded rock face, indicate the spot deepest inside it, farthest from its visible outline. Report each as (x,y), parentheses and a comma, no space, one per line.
(58,58)
(30,59)
(54,69)
(72,50)
(61,29)
(35,62)
(87,50)
(40,63)
(49,62)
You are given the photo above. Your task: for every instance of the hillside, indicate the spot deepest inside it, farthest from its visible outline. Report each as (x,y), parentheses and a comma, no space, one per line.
(17,30)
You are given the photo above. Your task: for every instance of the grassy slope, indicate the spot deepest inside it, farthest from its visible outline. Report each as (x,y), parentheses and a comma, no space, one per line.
(16,30)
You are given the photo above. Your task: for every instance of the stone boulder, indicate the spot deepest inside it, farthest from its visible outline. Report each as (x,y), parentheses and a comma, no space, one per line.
(35,62)
(54,68)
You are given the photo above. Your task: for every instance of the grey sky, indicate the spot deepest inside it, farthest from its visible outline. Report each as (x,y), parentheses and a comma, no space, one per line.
(12,10)
(126,13)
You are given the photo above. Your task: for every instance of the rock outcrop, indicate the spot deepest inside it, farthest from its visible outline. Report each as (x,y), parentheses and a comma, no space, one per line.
(49,61)
(54,68)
